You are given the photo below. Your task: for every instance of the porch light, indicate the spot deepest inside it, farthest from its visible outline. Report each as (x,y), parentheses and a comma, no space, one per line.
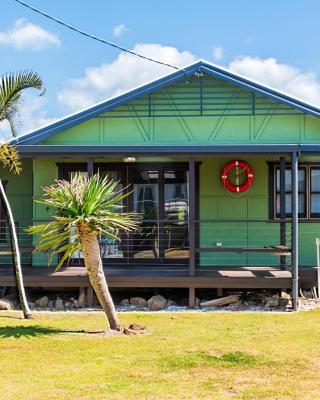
(129,159)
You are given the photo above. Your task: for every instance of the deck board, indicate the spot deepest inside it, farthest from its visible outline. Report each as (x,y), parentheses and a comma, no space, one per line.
(156,276)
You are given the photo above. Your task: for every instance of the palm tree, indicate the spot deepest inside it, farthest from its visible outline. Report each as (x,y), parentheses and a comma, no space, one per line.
(11,88)
(85,209)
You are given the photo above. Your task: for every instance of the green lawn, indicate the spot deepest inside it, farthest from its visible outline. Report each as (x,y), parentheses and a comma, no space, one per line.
(184,356)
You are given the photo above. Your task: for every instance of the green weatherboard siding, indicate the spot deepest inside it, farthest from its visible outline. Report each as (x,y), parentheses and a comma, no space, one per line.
(191,112)
(19,192)
(215,204)
(176,115)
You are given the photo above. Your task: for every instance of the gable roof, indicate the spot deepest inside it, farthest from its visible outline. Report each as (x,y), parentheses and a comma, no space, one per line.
(200,66)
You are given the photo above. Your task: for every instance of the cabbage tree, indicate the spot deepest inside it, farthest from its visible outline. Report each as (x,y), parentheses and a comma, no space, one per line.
(85,209)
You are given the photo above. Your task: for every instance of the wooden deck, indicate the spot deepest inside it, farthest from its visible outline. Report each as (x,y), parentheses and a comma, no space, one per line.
(162,277)
(159,276)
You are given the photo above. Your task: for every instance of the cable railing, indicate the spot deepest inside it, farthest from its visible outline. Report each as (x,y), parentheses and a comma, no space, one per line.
(218,243)
(255,243)
(24,239)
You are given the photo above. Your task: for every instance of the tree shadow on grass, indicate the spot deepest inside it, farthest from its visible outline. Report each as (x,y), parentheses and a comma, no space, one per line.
(38,331)
(19,317)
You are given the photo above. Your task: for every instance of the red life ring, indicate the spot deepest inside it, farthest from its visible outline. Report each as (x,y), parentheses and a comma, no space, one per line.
(243,166)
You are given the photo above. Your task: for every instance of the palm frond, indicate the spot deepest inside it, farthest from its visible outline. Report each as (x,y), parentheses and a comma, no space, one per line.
(9,158)
(11,87)
(92,201)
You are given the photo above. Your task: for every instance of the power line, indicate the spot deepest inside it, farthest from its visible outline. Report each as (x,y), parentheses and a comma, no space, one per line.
(89,35)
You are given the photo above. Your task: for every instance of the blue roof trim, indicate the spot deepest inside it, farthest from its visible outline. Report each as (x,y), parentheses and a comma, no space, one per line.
(261,89)
(46,132)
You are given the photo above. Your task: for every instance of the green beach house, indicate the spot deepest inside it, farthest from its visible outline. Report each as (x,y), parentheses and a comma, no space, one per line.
(224,171)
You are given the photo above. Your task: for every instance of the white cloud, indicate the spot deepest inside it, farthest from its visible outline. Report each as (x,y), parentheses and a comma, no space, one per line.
(285,77)
(25,35)
(126,72)
(218,53)
(119,30)
(32,114)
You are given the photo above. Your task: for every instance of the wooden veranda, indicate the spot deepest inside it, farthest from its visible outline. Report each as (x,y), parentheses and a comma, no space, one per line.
(154,277)
(191,275)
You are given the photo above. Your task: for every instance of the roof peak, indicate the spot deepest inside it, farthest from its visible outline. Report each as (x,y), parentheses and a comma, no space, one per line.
(207,67)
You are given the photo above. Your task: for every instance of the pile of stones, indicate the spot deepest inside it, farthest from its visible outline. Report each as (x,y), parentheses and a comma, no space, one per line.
(46,303)
(259,300)
(155,303)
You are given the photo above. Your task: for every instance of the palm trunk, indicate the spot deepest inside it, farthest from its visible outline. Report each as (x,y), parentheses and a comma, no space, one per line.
(17,261)
(93,263)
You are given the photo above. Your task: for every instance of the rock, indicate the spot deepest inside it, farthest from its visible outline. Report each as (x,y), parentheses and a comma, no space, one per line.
(5,305)
(42,302)
(136,327)
(129,332)
(76,304)
(139,302)
(284,303)
(68,304)
(82,299)
(272,302)
(58,304)
(51,304)
(157,302)
(285,295)
(171,303)
(124,302)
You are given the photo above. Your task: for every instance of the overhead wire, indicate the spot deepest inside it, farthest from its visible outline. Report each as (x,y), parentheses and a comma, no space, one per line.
(96,38)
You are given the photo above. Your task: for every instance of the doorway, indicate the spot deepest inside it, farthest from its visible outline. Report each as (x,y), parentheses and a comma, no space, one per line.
(159,194)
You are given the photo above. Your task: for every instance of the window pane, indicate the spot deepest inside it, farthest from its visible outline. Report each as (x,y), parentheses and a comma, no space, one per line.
(145,241)
(175,235)
(301,180)
(315,180)
(315,204)
(301,204)
(287,180)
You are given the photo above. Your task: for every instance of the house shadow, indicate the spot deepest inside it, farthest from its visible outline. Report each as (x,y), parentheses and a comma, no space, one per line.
(18,332)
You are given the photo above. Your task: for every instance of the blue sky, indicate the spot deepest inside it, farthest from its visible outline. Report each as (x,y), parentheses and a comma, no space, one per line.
(276,42)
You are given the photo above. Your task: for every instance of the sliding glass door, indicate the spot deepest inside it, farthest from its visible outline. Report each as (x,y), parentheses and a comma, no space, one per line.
(159,194)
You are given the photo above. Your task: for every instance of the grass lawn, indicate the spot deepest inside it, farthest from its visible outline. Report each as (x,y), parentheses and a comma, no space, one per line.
(184,356)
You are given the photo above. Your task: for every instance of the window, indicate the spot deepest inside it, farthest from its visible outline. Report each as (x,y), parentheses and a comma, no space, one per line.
(301,192)
(308,191)
(315,192)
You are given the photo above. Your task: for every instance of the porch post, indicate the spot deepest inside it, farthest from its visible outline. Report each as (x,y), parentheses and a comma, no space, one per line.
(192,227)
(90,166)
(282,208)
(192,216)
(294,229)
